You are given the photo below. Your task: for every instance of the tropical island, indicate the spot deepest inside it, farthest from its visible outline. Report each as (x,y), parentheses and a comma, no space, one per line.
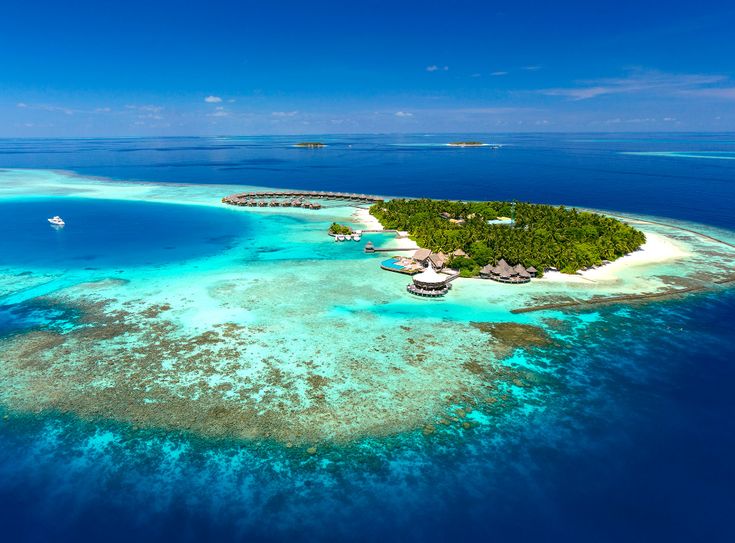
(311,144)
(336,228)
(466,144)
(539,236)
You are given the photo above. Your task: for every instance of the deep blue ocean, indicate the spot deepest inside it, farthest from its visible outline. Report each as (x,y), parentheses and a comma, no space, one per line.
(648,454)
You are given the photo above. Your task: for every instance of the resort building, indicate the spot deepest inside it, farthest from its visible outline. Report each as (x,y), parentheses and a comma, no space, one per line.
(505,273)
(437,260)
(422,256)
(429,283)
(459,253)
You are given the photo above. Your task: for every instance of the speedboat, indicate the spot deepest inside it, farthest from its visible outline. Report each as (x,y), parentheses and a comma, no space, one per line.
(56,221)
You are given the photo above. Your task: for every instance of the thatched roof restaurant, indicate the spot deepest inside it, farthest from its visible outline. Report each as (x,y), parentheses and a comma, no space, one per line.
(429,283)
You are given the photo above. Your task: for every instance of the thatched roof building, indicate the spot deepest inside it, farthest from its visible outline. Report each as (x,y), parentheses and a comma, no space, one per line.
(505,273)
(438,260)
(429,283)
(422,256)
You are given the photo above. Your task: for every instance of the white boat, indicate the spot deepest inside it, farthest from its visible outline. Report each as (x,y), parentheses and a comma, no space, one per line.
(57,221)
(340,237)
(355,237)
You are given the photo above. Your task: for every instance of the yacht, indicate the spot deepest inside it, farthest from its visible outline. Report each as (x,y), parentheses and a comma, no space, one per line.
(339,237)
(355,237)
(57,221)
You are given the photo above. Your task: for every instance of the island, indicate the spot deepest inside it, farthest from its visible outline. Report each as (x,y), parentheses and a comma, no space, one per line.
(466,144)
(336,228)
(472,239)
(311,144)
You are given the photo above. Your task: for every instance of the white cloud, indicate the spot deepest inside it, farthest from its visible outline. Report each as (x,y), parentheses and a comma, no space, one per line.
(531,68)
(403,114)
(496,74)
(284,113)
(47,107)
(642,81)
(213,99)
(219,112)
(635,120)
(726,93)
(489,110)
(435,68)
(148,108)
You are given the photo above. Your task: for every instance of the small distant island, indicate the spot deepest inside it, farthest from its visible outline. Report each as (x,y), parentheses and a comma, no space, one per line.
(311,144)
(466,144)
(474,237)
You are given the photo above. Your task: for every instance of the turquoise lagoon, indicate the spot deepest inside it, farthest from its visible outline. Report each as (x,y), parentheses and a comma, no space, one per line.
(234,373)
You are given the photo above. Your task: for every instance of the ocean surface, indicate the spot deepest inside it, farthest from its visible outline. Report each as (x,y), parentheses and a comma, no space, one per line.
(615,425)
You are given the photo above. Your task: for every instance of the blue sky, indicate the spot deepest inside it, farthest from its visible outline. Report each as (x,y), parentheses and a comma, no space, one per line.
(80,68)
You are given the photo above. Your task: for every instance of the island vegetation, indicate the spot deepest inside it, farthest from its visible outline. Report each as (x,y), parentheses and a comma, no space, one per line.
(337,228)
(467,143)
(541,236)
(311,144)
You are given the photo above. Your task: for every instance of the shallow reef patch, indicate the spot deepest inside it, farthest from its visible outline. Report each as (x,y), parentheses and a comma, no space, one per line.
(267,380)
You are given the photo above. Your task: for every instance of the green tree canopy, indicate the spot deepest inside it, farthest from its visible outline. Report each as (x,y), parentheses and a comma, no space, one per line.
(542,236)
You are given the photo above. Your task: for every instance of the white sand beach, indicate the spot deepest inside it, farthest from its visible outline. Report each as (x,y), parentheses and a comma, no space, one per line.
(656,250)
(362,216)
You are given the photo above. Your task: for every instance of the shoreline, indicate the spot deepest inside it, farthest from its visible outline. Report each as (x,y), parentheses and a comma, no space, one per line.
(362,216)
(657,249)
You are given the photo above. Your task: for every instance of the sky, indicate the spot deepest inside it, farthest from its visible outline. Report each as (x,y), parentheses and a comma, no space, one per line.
(164,68)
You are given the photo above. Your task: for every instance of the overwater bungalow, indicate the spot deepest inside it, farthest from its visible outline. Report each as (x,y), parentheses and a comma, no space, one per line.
(429,283)
(505,273)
